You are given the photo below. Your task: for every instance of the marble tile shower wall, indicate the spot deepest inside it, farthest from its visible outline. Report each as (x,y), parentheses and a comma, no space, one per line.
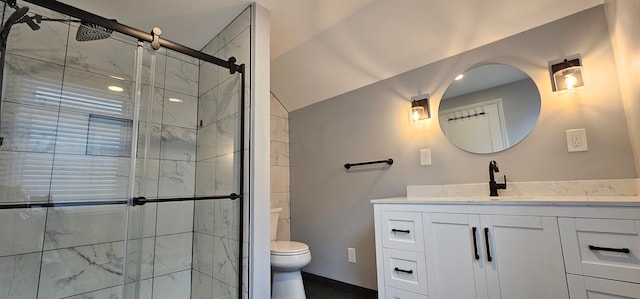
(280,167)
(54,98)
(216,248)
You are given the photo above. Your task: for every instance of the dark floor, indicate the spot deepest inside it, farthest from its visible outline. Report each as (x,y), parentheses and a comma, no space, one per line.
(319,289)
(316,290)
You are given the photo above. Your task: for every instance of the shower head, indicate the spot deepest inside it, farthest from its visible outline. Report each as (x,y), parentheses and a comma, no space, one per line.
(15,17)
(89,31)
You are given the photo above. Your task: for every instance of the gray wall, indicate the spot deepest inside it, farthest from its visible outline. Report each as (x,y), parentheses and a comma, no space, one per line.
(330,208)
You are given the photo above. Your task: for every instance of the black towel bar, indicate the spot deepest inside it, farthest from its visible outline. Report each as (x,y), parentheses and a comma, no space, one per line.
(388,161)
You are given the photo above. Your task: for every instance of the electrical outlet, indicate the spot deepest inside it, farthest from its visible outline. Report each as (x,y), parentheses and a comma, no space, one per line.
(577,140)
(351,253)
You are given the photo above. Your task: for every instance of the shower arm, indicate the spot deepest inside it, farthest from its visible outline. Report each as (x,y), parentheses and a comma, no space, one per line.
(39,19)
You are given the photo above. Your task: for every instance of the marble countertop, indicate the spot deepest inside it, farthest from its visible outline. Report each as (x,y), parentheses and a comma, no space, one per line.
(611,199)
(624,192)
(510,200)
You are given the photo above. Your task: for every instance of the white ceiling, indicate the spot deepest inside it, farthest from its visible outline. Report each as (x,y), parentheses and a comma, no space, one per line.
(323,48)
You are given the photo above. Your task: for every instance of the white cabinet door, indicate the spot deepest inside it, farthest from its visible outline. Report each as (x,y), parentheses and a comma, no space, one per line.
(581,287)
(454,257)
(505,257)
(523,257)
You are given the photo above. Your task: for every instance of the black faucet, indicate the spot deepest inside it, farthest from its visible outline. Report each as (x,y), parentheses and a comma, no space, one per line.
(493,186)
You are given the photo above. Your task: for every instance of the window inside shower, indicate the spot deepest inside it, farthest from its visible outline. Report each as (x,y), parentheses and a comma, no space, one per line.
(88,125)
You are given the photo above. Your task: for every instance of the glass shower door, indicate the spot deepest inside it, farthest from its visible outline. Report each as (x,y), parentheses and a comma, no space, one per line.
(188,165)
(120,170)
(217,267)
(67,123)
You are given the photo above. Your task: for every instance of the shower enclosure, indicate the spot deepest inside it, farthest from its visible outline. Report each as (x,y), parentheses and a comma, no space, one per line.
(121,164)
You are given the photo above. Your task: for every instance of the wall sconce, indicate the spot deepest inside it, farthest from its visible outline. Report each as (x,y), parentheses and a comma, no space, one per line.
(567,75)
(420,108)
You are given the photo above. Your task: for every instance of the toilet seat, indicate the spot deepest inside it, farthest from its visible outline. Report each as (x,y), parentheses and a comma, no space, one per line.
(284,248)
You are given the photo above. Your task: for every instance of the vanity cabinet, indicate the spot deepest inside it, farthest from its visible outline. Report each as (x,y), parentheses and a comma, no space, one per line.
(506,250)
(502,256)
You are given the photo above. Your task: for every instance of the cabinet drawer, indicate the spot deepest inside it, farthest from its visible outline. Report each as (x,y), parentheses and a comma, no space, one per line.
(602,248)
(393,293)
(581,287)
(402,230)
(405,270)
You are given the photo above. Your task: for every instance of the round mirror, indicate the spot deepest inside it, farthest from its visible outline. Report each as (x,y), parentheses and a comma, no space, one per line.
(489,108)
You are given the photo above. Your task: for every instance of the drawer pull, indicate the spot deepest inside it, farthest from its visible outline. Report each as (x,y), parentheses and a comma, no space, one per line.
(402,270)
(406,231)
(475,243)
(623,250)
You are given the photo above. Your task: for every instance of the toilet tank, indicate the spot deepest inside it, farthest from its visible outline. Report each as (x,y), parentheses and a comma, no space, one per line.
(275,215)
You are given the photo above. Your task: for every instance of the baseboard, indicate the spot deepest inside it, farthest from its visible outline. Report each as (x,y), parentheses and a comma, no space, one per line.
(343,286)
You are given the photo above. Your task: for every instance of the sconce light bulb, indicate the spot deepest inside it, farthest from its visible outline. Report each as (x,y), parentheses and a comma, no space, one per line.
(571,81)
(459,77)
(417,113)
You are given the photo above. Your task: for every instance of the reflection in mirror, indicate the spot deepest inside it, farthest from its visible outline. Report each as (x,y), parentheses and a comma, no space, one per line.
(489,109)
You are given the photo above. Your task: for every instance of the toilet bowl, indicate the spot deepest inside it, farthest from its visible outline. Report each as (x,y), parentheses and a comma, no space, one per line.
(287,258)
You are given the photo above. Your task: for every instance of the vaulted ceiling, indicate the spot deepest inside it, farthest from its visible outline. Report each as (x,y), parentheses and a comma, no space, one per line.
(323,48)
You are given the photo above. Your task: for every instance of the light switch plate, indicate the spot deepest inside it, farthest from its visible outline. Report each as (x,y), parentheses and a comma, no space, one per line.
(577,140)
(425,157)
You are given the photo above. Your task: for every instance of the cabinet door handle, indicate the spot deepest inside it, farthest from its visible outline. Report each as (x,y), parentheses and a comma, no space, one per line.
(406,231)
(598,248)
(402,270)
(475,242)
(486,237)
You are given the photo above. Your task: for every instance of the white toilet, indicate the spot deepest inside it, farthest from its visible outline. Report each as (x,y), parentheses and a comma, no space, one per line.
(287,258)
